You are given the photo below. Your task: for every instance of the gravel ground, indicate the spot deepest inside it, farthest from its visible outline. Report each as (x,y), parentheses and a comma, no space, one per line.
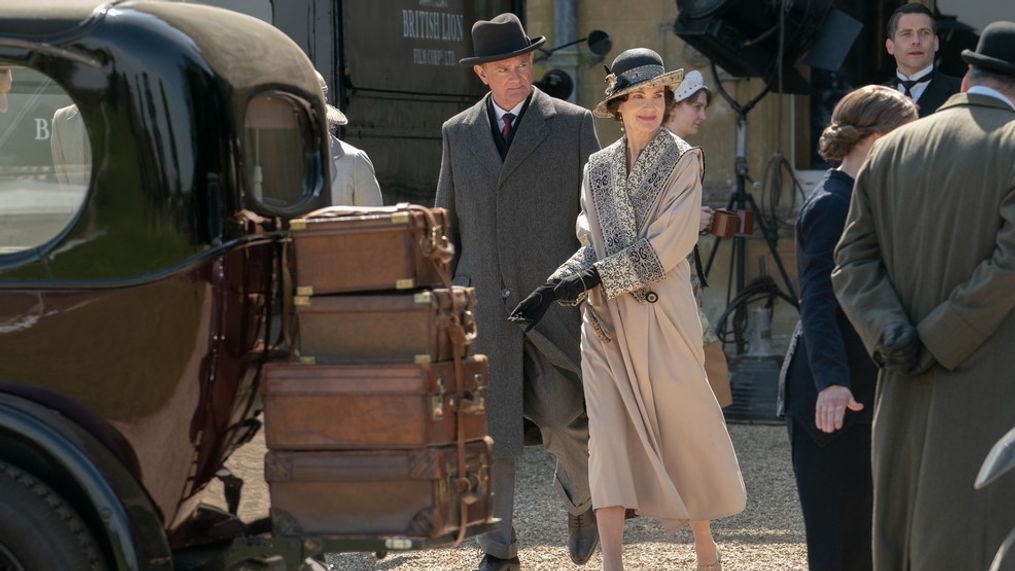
(767,535)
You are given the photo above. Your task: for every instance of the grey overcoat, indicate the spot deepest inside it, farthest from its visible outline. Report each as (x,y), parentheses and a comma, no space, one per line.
(512,223)
(930,239)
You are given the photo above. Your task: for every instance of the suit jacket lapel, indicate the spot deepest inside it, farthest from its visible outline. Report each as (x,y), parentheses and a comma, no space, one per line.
(480,141)
(531,132)
(934,95)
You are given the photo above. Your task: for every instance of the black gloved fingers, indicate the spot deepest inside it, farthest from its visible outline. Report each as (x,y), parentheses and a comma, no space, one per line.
(532,308)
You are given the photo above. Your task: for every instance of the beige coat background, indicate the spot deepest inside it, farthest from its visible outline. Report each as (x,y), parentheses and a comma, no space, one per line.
(657,438)
(930,239)
(353,182)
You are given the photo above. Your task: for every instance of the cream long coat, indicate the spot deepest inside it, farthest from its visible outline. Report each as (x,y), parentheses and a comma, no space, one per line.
(658,441)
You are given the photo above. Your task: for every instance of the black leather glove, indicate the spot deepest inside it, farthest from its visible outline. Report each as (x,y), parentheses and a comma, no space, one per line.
(899,349)
(569,288)
(533,307)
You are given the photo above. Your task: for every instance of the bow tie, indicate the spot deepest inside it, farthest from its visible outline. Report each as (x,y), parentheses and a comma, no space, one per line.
(908,84)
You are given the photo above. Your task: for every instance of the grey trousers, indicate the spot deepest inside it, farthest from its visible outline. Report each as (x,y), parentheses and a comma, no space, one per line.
(554,401)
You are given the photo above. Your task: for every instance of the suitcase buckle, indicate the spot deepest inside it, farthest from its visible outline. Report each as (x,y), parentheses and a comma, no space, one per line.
(479,397)
(437,401)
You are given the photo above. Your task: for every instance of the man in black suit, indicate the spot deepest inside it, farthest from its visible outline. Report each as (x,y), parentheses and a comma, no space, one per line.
(912,39)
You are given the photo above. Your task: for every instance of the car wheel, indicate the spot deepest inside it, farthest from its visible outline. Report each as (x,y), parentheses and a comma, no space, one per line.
(39,530)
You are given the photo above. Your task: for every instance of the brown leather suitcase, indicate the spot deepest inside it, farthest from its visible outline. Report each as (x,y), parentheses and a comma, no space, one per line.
(343,249)
(385,328)
(328,407)
(414,493)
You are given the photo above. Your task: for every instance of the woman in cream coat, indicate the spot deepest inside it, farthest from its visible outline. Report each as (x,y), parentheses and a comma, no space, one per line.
(658,442)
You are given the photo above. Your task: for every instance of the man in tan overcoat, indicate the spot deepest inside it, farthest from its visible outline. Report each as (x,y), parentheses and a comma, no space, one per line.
(926,273)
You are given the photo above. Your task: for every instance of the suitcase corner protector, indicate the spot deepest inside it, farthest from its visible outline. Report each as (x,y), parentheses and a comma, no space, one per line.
(305,290)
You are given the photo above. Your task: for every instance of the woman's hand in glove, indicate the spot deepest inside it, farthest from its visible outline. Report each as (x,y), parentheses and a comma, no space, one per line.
(532,308)
(569,288)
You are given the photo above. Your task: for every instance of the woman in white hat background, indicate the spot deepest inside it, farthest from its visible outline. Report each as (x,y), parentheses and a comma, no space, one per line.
(657,439)
(692,98)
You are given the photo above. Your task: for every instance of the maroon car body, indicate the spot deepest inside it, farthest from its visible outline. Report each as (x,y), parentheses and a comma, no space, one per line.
(137,293)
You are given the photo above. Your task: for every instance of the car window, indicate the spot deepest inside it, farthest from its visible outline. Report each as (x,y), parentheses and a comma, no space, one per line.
(278,153)
(45,159)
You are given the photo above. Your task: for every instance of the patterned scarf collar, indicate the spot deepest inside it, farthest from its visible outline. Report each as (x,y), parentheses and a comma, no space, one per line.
(623,200)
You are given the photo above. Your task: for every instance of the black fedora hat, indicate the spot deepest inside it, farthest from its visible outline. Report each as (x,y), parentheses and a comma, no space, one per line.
(634,69)
(500,38)
(996,49)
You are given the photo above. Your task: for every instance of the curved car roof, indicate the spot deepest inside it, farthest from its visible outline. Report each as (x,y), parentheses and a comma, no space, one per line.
(46,20)
(241,49)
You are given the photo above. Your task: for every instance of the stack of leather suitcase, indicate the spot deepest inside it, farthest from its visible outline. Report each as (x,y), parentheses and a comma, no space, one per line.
(377,425)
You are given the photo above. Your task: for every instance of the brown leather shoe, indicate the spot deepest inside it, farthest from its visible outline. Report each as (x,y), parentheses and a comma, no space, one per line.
(491,563)
(582,536)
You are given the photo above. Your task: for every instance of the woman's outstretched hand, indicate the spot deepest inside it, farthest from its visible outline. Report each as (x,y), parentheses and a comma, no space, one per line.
(533,307)
(569,288)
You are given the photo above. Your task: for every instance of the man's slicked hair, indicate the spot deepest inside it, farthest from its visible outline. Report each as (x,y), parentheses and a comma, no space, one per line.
(911,8)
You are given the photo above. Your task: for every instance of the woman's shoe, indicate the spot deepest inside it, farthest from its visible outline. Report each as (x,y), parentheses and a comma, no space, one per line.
(713,566)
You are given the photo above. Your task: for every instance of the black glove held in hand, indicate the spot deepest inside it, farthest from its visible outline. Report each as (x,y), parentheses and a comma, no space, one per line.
(898,350)
(569,288)
(532,308)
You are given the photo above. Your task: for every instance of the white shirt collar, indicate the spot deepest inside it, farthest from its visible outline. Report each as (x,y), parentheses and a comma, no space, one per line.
(990,92)
(501,112)
(916,75)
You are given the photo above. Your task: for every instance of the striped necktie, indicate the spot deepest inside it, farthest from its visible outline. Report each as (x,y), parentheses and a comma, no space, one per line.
(506,129)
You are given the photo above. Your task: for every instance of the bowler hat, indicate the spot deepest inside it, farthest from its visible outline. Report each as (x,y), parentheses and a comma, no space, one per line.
(996,49)
(500,38)
(635,69)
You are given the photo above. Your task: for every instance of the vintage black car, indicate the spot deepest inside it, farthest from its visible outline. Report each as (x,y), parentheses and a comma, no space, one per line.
(150,153)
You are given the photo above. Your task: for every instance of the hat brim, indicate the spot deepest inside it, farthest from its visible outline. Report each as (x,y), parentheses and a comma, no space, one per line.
(669,79)
(335,116)
(534,44)
(988,63)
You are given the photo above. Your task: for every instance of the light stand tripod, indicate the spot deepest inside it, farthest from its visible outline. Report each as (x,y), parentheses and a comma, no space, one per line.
(741,199)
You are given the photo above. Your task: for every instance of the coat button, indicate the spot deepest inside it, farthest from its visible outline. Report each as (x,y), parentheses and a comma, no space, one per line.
(651,297)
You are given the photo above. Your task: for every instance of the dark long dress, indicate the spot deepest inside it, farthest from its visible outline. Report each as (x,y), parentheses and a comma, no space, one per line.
(833,471)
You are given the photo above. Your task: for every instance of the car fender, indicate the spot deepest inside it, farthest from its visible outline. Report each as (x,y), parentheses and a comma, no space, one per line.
(90,477)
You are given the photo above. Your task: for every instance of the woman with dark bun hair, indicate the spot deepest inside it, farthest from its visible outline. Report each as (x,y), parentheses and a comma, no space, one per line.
(828,371)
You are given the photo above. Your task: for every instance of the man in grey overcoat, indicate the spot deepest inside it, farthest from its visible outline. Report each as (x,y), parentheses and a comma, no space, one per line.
(926,273)
(510,179)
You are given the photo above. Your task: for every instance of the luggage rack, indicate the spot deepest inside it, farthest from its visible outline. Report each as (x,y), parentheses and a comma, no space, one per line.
(290,553)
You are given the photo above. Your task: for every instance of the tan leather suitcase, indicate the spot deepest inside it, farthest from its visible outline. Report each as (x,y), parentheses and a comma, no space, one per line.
(323,407)
(343,249)
(385,328)
(414,493)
